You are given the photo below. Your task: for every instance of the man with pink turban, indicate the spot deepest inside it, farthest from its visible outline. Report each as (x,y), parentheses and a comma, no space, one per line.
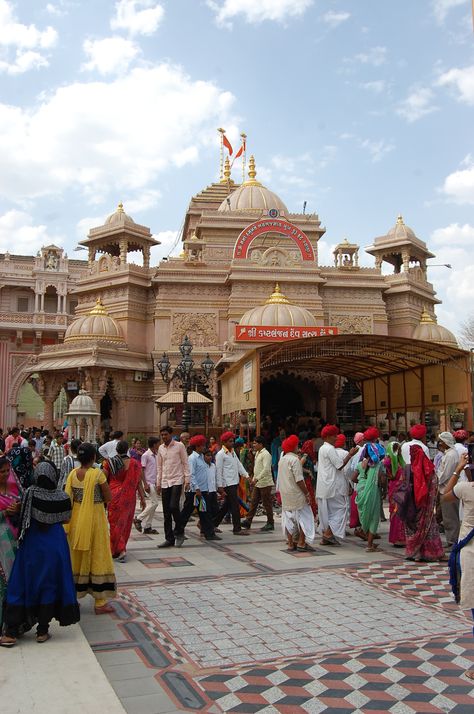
(332,489)
(296,514)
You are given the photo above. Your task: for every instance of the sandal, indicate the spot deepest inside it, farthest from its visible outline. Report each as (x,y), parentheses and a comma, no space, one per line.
(372,549)
(138,524)
(7,641)
(291,548)
(305,549)
(43,638)
(104,610)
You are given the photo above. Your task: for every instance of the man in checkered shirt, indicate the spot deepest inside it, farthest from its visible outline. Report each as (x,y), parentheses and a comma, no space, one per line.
(57,452)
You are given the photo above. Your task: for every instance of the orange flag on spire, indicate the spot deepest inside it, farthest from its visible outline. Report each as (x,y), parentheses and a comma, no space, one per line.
(227,144)
(241,150)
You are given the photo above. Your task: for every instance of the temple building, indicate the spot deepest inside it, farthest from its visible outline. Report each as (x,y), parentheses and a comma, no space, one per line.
(247,287)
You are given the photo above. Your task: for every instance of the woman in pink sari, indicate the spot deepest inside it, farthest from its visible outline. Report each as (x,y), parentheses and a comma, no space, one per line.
(395,468)
(124,477)
(423,543)
(9,513)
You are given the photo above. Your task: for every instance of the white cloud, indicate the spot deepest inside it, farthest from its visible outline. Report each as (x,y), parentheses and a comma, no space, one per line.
(19,234)
(419,103)
(333,18)
(255,12)
(376,56)
(459,186)
(110,55)
(55,10)
(85,224)
(143,202)
(377,86)
(23,45)
(454,234)
(108,138)
(138,17)
(462,80)
(441,8)
(170,246)
(377,149)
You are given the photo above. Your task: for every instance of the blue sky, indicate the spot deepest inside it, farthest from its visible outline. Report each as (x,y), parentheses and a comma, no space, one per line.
(362,108)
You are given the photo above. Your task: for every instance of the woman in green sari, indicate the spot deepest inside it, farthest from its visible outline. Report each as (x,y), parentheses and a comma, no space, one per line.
(370,470)
(9,511)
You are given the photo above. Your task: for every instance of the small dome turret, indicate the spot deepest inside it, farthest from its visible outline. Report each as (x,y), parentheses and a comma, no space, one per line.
(119,217)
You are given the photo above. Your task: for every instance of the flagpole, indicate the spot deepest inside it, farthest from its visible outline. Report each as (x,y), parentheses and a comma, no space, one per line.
(221,155)
(244,142)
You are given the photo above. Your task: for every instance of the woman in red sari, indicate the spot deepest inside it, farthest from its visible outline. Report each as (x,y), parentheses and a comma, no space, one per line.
(124,477)
(395,468)
(423,542)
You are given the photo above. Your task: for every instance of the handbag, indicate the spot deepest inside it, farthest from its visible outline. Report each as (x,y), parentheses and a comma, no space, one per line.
(405,500)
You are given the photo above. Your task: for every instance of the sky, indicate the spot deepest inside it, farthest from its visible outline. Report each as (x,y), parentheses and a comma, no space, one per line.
(361,108)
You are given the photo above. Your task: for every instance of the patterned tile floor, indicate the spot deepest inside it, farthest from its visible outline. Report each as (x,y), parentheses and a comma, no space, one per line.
(251,628)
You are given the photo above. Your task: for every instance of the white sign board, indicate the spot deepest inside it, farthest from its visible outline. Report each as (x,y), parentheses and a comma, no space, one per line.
(247,377)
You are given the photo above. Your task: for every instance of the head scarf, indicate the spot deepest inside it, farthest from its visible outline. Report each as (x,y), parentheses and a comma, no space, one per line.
(308,448)
(21,460)
(329,430)
(198,440)
(43,502)
(461,434)
(447,438)
(396,458)
(227,435)
(418,431)
(371,433)
(340,441)
(358,438)
(290,444)
(239,441)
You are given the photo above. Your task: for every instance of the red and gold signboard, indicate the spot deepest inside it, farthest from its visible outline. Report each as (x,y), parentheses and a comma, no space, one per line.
(273,225)
(277,333)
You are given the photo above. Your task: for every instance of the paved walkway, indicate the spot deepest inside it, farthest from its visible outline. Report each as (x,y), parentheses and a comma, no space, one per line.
(242,625)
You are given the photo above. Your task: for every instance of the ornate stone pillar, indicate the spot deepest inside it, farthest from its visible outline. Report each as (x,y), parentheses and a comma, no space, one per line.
(123,250)
(146,256)
(91,255)
(48,412)
(42,303)
(406,261)
(37,302)
(58,310)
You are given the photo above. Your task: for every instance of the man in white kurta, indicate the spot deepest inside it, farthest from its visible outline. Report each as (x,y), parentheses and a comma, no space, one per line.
(331,488)
(296,513)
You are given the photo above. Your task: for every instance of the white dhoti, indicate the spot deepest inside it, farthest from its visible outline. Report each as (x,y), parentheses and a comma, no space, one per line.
(301,519)
(332,513)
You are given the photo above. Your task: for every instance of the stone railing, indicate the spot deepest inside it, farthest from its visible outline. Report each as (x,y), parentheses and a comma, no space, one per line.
(35,320)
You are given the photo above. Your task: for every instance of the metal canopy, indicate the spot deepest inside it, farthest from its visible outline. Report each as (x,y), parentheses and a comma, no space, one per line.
(361,357)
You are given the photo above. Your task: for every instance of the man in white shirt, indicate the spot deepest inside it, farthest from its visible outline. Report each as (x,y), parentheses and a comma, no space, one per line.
(149,471)
(229,469)
(418,438)
(445,470)
(109,449)
(332,488)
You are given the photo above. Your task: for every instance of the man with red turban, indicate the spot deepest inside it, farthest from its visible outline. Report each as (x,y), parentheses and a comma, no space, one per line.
(296,514)
(229,469)
(332,488)
(418,438)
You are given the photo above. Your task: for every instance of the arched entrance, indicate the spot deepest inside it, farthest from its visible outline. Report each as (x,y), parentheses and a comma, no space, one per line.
(282,395)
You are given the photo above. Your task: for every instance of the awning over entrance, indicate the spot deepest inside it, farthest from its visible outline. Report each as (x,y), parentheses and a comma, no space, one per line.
(172,398)
(361,357)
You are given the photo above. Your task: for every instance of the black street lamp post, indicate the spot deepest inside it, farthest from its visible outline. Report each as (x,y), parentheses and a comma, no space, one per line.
(186,374)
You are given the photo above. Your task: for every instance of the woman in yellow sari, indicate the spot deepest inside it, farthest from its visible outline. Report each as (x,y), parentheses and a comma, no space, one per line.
(88,533)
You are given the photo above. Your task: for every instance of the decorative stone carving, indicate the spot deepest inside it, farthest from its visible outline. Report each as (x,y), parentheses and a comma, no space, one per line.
(199,327)
(352,324)
(106,264)
(274,257)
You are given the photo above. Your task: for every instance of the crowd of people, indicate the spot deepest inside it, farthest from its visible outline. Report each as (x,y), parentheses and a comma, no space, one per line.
(67,509)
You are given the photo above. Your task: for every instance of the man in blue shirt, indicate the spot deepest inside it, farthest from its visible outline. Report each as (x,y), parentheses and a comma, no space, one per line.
(198,494)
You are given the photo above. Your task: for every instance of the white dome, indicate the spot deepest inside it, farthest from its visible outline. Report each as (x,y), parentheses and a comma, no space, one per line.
(82,405)
(430,331)
(278,311)
(96,325)
(119,217)
(253,196)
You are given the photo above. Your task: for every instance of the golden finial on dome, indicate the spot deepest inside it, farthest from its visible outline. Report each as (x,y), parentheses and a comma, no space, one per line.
(400,220)
(120,208)
(252,169)
(277,297)
(98,308)
(227,171)
(194,236)
(426,317)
